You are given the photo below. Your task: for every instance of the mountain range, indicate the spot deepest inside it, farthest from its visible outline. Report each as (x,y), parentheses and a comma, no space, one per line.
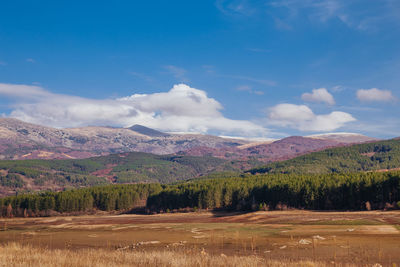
(21,140)
(56,159)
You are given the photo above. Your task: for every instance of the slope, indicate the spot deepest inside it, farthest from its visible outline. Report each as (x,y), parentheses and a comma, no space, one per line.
(375,156)
(282,149)
(21,140)
(133,167)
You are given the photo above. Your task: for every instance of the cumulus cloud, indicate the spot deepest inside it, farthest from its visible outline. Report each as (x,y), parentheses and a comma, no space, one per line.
(181,109)
(320,95)
(302,118)
(374,95)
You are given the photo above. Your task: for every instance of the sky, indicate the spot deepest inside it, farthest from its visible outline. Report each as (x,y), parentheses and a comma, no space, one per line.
(255,69)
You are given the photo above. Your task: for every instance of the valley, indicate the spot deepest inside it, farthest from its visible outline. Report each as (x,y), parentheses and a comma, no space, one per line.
(75,196)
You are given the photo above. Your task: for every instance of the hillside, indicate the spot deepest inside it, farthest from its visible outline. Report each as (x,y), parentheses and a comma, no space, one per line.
(21,140)
(283,149)
(375,156)
(346,138)
(133,167)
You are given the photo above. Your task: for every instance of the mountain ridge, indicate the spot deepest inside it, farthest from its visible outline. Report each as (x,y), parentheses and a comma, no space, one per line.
(365,157)
(18,139)
(22,140)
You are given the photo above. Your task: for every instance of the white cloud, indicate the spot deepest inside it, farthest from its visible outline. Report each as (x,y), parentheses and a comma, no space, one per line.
(181,109)
(319,95)
(374,95)
(22,91)
(30,60)
(303,118)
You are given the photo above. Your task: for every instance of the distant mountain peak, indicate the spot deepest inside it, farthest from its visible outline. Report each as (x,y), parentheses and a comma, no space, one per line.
(147,131)
(344,137)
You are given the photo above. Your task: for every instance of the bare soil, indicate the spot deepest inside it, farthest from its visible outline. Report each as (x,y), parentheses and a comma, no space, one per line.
(341,237)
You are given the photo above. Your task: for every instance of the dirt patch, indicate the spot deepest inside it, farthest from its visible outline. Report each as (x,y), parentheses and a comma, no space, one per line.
(102,173)
(377,229)
(328,236)
(369,154)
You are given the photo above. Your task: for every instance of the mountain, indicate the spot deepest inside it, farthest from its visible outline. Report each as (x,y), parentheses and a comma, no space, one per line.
(344,137)
(133,167)
(373,156)
(147,131)
(283,149)
(21,140)
(290,147)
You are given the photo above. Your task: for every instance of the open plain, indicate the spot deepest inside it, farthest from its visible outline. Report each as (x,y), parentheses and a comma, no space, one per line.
(332,238)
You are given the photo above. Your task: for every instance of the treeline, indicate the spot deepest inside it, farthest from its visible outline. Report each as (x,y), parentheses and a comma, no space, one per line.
(348,159)
(358,191)
(106,198)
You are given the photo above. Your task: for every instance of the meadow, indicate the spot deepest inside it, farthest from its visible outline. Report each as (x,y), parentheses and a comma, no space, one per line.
(263,238)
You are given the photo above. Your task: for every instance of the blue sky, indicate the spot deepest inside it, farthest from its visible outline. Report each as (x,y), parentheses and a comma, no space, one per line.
(238,68)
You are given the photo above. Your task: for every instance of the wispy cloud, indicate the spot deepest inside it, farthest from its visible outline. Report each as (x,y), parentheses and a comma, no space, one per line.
(3,63)
(236,7)
(375,95)
(250,79)
(338,88)
(258,50)
(30,60)
(211,70)
(388,128)
(363,15)
(178,72)
(141,76)
(249,89)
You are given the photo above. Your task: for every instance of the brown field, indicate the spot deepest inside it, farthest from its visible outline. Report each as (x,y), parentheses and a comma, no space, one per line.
(268,238)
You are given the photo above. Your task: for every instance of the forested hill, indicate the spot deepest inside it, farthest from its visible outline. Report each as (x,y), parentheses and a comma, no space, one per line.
(33,175)
(375,156)
(358,191)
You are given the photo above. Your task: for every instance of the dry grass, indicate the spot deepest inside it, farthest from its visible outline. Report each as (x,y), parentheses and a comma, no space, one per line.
(14,254)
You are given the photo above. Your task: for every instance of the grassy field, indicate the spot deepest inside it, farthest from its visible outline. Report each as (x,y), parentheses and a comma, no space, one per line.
(16,255)
(205,238)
